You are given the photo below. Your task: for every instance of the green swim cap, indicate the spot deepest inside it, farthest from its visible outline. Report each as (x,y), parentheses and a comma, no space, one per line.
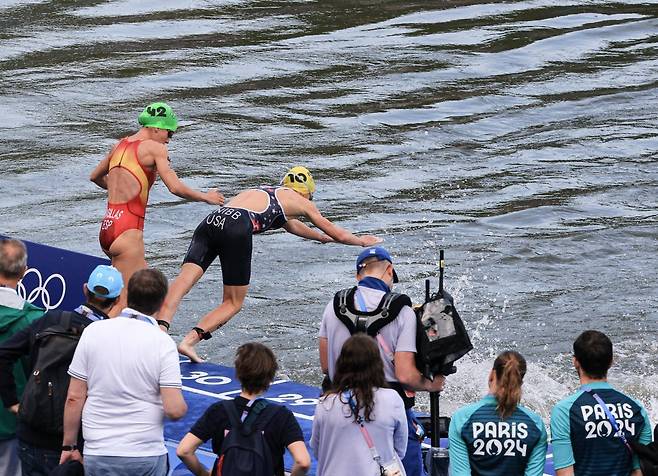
(160,116)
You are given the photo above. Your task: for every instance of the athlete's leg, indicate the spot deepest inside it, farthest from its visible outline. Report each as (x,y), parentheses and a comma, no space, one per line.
(189,274)
(232,301)
(127,253)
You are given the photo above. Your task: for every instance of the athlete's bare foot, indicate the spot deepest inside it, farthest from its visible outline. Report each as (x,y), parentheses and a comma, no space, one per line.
(186,347)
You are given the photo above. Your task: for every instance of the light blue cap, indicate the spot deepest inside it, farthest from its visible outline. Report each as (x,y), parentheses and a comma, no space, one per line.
(107,277)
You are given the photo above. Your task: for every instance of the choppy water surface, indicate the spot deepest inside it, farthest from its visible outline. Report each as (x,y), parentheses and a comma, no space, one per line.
(519,136)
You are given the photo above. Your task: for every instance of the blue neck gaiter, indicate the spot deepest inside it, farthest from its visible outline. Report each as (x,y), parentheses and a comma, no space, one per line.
(374,283)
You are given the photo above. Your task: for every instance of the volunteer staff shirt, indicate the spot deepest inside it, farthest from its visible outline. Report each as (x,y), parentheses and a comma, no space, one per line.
(483,443)
(583,437)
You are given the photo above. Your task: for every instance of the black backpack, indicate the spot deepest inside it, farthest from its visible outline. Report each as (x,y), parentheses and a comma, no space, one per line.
(648,455)
(369,322)
(244,451)
(441,337)
(42,404)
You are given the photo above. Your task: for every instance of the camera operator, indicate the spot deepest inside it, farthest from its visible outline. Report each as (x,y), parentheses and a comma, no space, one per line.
(396,339)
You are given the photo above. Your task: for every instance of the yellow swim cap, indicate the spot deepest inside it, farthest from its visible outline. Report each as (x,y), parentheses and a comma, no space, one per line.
(300,180)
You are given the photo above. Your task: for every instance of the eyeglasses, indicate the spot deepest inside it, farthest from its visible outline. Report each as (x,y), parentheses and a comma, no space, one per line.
(170,134)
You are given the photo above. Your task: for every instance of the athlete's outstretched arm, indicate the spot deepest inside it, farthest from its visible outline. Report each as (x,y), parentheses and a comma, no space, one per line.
(99,174)
(298,228)
(178,187)
(339,234)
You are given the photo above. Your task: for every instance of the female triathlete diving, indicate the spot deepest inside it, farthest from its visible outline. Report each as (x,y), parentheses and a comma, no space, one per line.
(227,233)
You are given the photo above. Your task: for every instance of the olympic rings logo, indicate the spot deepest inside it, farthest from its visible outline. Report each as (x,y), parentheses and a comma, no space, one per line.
(41,290)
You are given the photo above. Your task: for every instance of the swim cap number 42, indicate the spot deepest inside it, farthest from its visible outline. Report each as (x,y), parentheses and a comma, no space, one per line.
(159,115)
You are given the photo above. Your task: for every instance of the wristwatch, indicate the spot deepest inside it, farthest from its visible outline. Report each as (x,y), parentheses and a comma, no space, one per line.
(69,447)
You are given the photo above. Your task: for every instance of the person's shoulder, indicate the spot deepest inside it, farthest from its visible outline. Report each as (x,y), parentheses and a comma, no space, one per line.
(97,327)
(150,147)
(388,394)
(279,413)
(626,396)
(564,405)
(31,312)
(287,192)
(279,409)
(162,337)
(49,318)
(467,410)
(534,416)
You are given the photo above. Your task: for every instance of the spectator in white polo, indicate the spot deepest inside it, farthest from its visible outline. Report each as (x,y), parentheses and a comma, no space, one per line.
(125,378)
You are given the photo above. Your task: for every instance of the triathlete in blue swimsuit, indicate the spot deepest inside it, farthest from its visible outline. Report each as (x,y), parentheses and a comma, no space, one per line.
(227,233)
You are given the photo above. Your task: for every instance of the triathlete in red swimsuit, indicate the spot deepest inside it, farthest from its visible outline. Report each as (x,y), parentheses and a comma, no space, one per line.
(127,215)
(128,172)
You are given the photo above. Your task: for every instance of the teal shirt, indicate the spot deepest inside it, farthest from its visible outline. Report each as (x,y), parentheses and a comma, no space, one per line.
(582,435)
(483,444)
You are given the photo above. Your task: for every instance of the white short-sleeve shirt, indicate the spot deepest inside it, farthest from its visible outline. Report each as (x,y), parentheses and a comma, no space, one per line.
(125,361)
(399,335)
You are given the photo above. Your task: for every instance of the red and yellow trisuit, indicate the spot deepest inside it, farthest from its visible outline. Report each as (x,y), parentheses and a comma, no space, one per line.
(127,215)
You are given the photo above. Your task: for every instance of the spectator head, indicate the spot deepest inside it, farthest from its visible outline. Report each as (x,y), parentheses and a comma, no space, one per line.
(103,286)
(13,259)
(255,367)
(359,370)
(592,352)
(376,262)
(147,289)
(505,381)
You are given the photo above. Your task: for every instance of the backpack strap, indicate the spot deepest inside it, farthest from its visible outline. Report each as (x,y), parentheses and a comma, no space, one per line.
(232,412)
(260,415)
(65,319)
(389,309)
(369,322)
(260,407)
(342,312)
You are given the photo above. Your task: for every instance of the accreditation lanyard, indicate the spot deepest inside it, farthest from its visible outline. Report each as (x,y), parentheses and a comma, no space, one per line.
(88,313)
(611,417)
(364,430)
(132,314)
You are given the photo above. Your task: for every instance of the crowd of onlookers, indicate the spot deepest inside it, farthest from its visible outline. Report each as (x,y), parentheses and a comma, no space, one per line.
(81,383)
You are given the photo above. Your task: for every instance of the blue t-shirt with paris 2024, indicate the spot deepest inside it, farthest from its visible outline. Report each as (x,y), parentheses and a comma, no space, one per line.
(583,435)
(484,444)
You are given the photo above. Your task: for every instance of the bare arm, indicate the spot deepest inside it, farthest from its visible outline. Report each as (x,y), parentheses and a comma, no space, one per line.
(568,471)
(176,185)
(301,458)
(636,472)
(338,234)
(409,376)
(186,451)
(173,402)
(324,360)
(99,174)
(298,228)
(75,401)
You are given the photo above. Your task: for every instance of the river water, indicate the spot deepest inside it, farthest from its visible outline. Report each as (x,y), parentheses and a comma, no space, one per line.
(521,137)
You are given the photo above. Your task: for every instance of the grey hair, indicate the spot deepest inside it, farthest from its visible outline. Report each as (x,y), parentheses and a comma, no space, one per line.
(13,258)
